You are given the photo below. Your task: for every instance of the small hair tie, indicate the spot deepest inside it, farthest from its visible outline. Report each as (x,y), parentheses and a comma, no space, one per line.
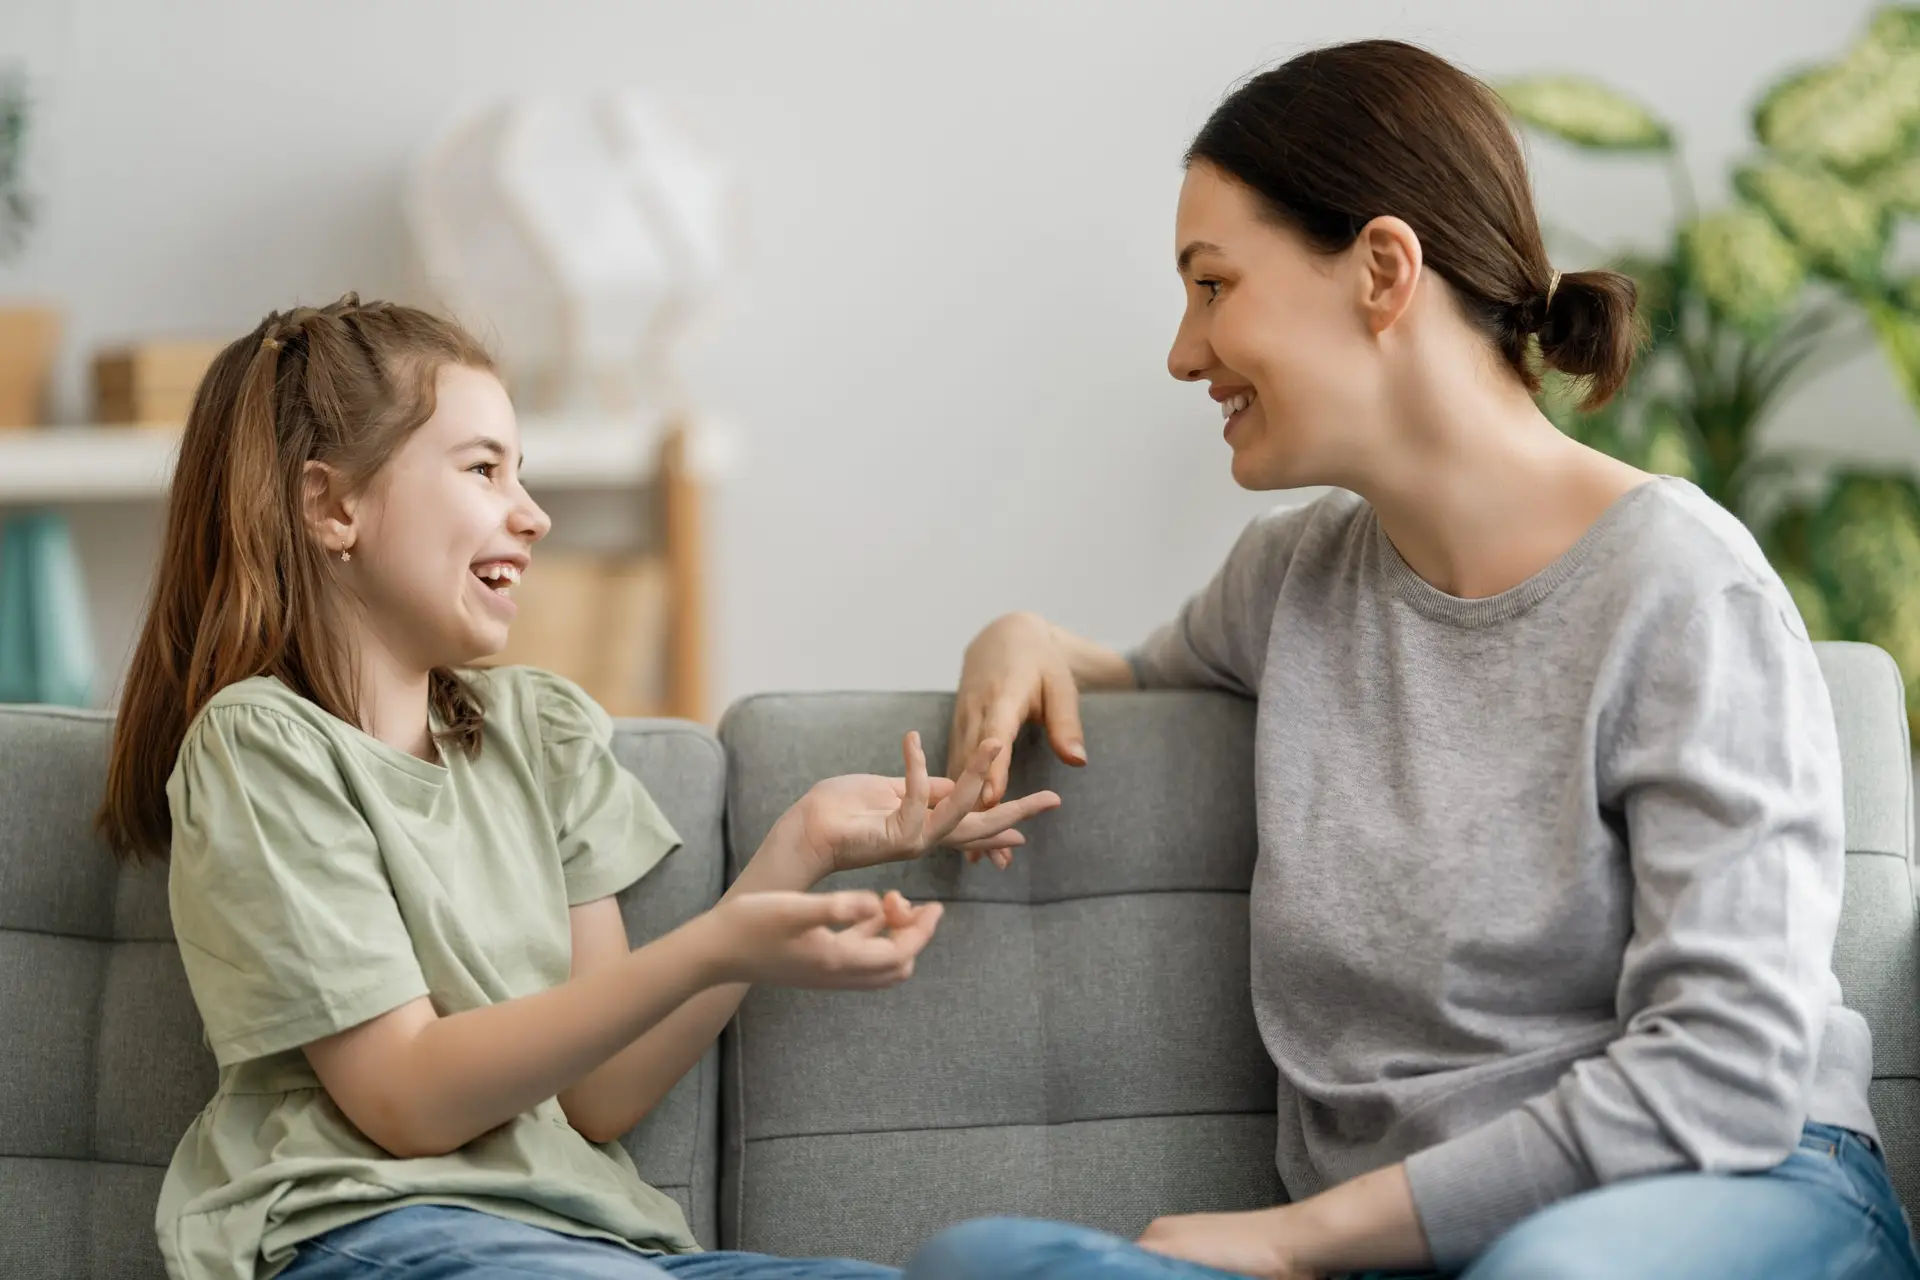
(270,343)
(1553,282)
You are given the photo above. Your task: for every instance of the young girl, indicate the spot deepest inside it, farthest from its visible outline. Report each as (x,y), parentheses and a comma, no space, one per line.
(1548,786)
(392,878)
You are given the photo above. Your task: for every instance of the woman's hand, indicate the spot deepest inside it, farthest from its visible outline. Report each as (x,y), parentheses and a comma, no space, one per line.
(849,941)
(863,820)
(1248,1244)
(1016,671)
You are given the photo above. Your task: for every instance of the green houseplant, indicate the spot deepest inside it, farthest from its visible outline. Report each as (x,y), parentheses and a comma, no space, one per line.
(29,334)
(1748,299)
(16,202)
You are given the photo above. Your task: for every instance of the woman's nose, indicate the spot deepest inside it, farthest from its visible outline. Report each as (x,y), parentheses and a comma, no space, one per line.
(1189,358)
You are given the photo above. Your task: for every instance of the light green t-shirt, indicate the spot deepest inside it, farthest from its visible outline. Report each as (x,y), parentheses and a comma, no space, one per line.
(321,878)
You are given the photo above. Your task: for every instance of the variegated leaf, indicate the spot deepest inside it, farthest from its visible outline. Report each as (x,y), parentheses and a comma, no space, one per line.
(1897,187)
(1585,113)
(1840,229)
(1899,331)
(1849,116)
(1747,271)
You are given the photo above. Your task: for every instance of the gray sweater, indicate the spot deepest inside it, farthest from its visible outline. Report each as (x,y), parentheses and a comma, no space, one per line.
(1548,881)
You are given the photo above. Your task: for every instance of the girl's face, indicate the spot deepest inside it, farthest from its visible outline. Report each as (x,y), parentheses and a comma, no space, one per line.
(1277,332)
(445,529)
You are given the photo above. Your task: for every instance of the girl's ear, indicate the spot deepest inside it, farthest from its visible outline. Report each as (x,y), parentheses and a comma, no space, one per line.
(328,510)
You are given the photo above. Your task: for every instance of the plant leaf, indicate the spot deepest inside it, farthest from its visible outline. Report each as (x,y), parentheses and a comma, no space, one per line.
(1865,546)
(1667,446)
(1746,270)
(1840,229)
(1897,187)
(1899,332)
(1896,26)
(1850,115)
(1586,113)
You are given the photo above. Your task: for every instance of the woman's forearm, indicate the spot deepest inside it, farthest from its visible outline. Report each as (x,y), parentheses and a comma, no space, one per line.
(1094,665)
(1366,1224)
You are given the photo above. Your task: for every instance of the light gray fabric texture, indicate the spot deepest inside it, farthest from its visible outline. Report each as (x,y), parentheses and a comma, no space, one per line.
(1549,880)
(1078,1040)
(102,1061)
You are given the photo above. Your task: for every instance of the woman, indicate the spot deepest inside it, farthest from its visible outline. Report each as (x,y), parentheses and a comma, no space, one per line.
(1548,785)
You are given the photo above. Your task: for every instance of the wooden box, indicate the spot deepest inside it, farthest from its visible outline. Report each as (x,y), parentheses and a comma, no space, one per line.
(29,338)
(149,383)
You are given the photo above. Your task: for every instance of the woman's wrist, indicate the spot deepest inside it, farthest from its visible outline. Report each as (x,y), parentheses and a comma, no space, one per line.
(1093,665)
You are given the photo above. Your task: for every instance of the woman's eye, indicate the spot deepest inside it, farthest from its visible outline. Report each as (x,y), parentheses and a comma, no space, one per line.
(485,468)
(1211,286)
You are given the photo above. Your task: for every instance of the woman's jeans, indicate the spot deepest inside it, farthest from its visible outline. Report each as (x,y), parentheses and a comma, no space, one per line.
(1828,1213)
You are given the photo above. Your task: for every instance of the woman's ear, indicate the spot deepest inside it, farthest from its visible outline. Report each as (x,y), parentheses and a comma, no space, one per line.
(1388,254)
(329,511)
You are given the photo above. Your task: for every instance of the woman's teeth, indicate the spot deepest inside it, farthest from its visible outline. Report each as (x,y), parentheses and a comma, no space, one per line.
(1234,404)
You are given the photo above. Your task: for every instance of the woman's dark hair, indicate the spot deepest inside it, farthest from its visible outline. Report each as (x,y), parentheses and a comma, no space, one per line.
(1336,137)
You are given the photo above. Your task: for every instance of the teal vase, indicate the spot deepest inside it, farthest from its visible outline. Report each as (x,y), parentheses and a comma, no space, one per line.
(46,647)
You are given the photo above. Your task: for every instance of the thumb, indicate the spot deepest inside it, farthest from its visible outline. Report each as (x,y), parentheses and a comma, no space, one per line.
(1060,709)
(844,908)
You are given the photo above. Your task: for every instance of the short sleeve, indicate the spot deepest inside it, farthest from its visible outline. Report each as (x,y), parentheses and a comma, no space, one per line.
(286,922)
(610,831)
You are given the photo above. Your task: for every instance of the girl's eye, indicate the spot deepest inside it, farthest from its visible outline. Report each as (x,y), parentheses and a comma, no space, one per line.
(1211,286)
(485,468)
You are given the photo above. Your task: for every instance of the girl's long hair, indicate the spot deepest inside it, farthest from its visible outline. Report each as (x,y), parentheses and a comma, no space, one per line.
(243,588)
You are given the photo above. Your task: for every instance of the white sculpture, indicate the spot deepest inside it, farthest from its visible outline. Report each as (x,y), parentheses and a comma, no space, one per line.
(583,236)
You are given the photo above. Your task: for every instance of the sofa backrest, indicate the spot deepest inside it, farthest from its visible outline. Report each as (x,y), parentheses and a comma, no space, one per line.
(102,1062)
(1078,1042)
(1875,955)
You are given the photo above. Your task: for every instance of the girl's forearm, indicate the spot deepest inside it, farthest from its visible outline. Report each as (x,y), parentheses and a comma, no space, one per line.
(470,1072)
(621,1092)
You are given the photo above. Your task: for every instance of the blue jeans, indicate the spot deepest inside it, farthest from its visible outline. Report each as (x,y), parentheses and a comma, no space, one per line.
(1827,1213)
(433,1242)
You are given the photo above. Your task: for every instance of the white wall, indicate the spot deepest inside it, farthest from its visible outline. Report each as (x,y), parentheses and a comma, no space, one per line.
(946,350)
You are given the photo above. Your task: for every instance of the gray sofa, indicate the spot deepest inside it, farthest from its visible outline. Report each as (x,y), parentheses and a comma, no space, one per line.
(1077,1043)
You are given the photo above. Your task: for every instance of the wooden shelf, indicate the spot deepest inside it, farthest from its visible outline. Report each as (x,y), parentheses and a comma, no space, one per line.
(120,464)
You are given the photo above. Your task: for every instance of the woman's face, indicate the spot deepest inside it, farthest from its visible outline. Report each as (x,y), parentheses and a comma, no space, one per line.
(446,529)
(1277,333)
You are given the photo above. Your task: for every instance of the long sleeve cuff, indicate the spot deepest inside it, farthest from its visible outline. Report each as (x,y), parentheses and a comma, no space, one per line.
(1470,1190)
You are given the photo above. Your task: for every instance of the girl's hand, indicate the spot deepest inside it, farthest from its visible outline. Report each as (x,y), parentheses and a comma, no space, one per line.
(850,941)
(862,820)
(1015,671)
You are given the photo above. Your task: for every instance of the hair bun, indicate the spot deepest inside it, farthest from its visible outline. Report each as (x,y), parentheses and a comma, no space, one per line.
(1587,328)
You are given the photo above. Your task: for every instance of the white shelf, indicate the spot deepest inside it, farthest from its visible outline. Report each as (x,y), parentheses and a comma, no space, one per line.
(121,464)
